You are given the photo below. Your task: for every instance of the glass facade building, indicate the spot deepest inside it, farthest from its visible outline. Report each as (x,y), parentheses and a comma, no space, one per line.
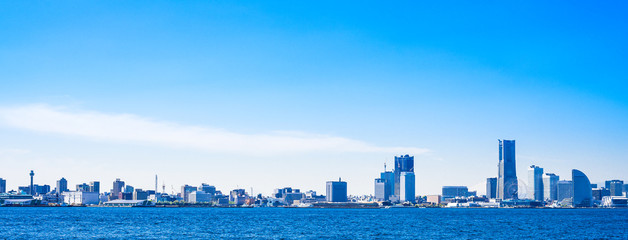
(616,187)
(62,185)
(455,191)
(336,191)
(402,164)
(564,190)
(507,187)
(550,187)
(407,187)
(389,177)
(582,195)
(535,183)
(491,188)
(382,190)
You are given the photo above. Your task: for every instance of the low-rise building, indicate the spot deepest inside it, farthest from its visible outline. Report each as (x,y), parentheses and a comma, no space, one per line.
(614,201)
(81,198)
(200,197)
(128,203)
(433,199)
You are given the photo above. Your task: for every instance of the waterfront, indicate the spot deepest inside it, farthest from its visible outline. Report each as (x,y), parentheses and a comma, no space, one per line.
(294,223)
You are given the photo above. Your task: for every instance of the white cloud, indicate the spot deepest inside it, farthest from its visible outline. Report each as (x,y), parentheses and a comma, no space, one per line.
(136,129)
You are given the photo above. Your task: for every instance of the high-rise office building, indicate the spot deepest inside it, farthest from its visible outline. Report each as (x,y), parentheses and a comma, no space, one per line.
(582,195)
(535,183)
(550,187)
(402,164)
(616,187)
(407,187)
(336,191)
(491,188)
(382,192)
(564,190)
(94,186)
(507,187)
(62,185)
(186,190)
(139,194)
(117,189)
(389,177)
(3,185)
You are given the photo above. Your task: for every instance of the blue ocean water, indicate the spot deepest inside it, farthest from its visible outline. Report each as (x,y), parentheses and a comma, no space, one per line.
(307,223)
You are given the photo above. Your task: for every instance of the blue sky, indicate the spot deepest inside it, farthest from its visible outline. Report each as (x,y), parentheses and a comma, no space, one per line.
(268,94)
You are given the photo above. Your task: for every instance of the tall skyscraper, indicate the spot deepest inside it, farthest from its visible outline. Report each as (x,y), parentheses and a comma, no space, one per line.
(336,191)
(535,183)
(62,185)
(491,188)
(616,187)
(582,195)
(507,187)
(382,191)
(564,190)
(3,185)
(117,189)
(389,177)
(402,164)
(407,187)
(550,187)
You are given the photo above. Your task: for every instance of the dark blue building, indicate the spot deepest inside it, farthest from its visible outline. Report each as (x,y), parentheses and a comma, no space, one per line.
(507,187)
(402,164)
(491,188)
(337,191)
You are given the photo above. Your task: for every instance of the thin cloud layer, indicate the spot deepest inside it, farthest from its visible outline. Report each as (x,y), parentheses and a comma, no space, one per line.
(135,129)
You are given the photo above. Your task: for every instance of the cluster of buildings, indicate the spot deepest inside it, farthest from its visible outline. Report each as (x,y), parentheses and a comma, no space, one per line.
(123,194)
(390,188)
(397,185)
(544,189)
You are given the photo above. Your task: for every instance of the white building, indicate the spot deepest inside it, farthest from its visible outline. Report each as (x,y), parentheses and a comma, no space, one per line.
(200,197)
(406,187)
(614,201)
(550,187)
(81,198)
(535,183)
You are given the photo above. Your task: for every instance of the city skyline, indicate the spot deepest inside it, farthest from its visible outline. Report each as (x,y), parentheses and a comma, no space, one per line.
(249,95)
(404,165)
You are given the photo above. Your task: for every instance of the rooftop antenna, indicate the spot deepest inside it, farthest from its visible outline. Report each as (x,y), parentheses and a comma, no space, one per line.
(384,166)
